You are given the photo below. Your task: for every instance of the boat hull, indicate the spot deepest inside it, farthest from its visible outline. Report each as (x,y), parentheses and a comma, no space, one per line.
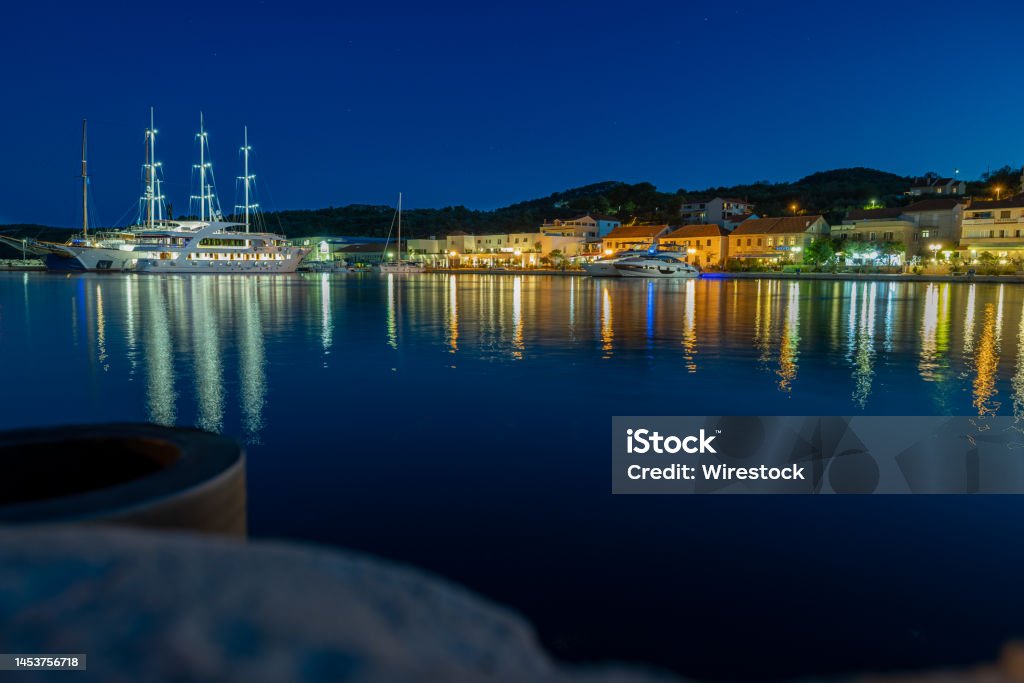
(601,269)
(657,272)
(178,266)
(90,259)
(403,269)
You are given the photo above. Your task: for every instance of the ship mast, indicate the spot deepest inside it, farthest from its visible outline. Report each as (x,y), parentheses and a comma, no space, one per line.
(150,170)
(202,169)
(85,187)
(399,227)
(246,178)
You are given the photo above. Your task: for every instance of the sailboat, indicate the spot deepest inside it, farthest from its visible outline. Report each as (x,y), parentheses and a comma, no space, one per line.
(398,265)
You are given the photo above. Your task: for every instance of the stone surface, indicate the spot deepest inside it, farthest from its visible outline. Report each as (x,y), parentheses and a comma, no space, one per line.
(169,607)
(147,606)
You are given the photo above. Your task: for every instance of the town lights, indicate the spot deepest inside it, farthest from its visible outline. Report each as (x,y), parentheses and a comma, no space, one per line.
(608,252)
(797,250)
(871,255)
(691,250)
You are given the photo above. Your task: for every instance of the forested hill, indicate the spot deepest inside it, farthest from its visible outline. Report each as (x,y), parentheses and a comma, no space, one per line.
(831,193)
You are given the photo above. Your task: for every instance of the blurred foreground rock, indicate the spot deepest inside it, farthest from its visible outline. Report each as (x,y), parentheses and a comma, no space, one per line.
(147,606)
(165,607)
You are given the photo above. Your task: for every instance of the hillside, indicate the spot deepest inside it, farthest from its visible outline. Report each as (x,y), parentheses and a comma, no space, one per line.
(831,193)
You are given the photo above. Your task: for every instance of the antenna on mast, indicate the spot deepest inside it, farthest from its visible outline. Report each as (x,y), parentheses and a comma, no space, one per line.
(85,186)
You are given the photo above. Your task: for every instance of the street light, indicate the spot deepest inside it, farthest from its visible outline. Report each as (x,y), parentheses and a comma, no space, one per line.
(793,207)
(999,190)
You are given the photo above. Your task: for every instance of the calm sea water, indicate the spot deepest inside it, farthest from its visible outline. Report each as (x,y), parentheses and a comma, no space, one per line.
(461,424)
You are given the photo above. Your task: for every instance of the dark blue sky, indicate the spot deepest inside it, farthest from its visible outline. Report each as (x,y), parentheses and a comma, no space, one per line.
(485,104)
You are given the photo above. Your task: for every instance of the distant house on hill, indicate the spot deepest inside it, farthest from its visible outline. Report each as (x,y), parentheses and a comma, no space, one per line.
(705,245)
(733,222)
(627,237)
(943,186)
(776,239)
(719,210)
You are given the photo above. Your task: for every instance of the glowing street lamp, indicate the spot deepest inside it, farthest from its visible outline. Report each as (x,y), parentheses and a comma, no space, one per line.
(999,190)
(935,251)
(793,207)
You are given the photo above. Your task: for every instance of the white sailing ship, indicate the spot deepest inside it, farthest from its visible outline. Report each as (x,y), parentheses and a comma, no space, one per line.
(160,245)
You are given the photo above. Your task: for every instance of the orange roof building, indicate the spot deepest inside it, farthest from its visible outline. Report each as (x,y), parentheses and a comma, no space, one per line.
(776,239)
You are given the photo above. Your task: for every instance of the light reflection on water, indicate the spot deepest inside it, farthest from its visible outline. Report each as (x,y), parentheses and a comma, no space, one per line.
(205,348)
(434,418)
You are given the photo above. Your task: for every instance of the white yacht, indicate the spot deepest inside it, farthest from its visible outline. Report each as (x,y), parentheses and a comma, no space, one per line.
(605,267)
(217,247)
(657,265)
(398,266)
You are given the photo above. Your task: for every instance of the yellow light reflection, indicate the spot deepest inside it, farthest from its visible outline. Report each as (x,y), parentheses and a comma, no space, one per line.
(392,316)
(326,316)
(864,345)
(517,318)
(101,331)
(607,324)
(789,345)
(987,364)
(690,326)
(453,315)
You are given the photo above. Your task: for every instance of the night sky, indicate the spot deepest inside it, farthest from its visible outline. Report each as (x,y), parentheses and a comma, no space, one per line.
(486,104)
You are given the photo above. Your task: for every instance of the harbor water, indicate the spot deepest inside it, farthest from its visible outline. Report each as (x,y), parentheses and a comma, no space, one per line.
(461,423)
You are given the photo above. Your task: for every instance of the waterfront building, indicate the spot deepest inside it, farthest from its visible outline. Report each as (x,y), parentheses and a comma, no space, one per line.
(706,245)
(517,249)
(626,237)
(432,251)
(776,239)
(720,211)
(879,226)
(460,242)
(939,221)
(996,227)
(331,247)
(951,187)
(924,227)
(588,227)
